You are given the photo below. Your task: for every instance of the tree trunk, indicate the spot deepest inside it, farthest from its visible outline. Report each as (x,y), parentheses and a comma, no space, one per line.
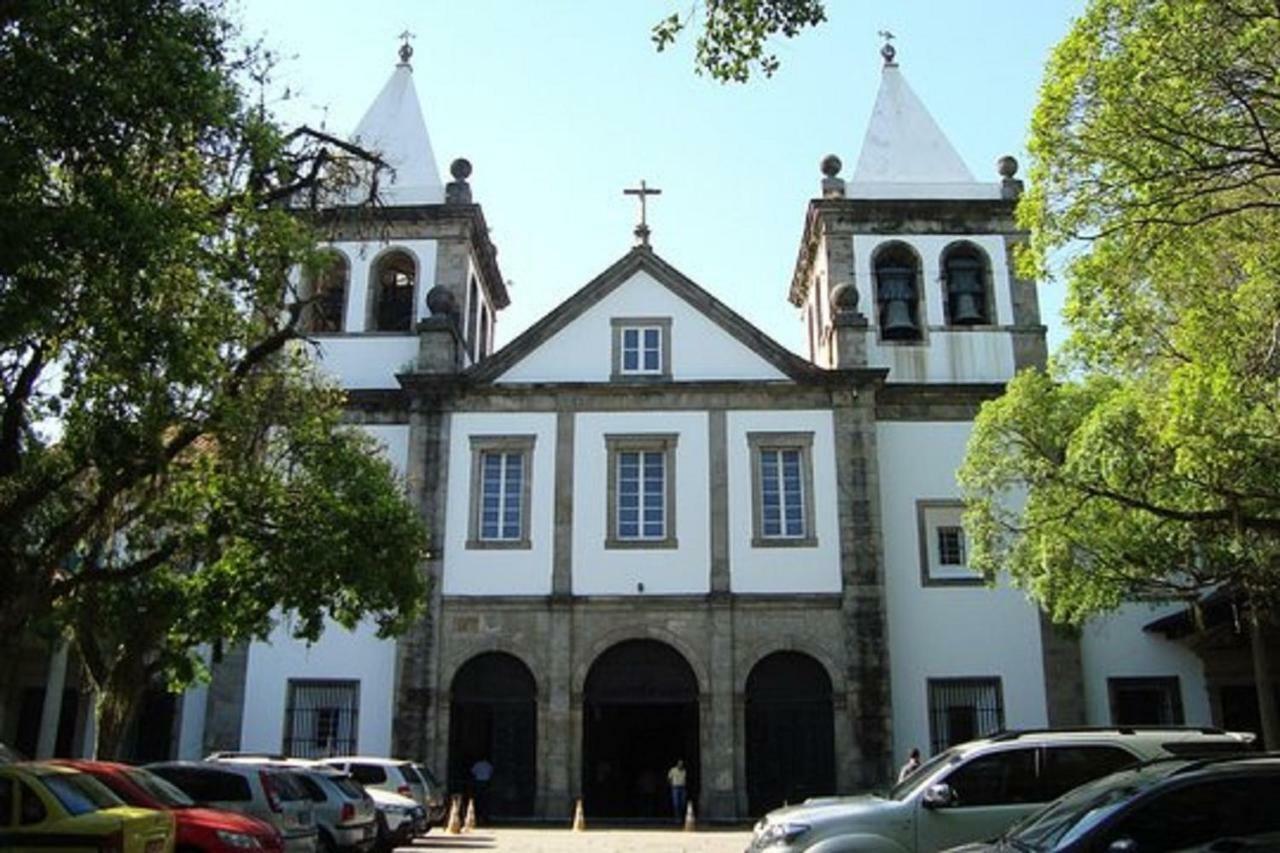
(113,712)
(1262,677)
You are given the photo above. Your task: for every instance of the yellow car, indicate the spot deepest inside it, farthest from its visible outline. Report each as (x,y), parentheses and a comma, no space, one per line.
(46,808)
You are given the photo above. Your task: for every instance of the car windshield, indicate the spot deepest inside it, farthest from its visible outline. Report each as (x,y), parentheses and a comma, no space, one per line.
(164,792)
(1075,813)
(80,793)
(901,790)
(410,774)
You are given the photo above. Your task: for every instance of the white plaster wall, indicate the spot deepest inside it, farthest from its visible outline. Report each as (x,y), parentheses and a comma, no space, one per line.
(945,355)
(360,361)
(500,571)
(815,569)
(941,632)
(1115,646)
(340,654)
(582,351)
(685,569)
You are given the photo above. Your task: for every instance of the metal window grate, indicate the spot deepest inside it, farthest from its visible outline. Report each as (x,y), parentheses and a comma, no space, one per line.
(951,546)
(962,709)
(321,718)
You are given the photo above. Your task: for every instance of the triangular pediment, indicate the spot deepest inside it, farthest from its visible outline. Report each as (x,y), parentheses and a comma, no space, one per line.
(708,341)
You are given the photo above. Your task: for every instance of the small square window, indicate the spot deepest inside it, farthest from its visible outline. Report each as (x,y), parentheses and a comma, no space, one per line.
(782,489)
(322,718)
(641,348)
(641,491)
(944,551)
(500,490)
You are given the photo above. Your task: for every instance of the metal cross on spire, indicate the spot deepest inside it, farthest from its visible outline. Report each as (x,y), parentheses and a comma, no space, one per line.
(406,49)
(887,50)
(643,191)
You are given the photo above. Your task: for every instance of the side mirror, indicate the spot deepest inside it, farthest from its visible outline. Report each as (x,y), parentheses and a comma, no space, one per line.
(939,796)
(1123,845)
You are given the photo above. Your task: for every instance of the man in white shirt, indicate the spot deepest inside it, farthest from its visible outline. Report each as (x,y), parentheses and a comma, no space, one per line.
(676,778)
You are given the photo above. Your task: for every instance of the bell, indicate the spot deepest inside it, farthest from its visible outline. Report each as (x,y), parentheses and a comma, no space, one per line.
(965,310)
(897,323)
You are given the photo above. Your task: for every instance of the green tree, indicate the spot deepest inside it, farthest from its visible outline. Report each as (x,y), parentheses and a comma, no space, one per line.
(167,461)
(734,34)
(1146,463)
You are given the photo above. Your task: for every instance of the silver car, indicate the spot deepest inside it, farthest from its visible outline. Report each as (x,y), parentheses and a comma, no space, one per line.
(257,790)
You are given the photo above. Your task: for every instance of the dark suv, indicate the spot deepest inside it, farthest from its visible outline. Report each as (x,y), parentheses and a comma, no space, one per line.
(1211,804)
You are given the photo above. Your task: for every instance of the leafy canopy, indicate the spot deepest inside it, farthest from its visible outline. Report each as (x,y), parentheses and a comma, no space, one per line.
(1149,456)
(735,33)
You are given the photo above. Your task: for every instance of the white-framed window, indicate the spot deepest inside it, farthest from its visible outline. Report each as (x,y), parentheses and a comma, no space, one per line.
(782,488)
(500,491)
(944,549)
(641,348)
(641,491)
(322,718)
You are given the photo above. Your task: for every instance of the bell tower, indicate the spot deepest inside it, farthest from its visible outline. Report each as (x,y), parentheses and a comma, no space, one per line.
(908,264)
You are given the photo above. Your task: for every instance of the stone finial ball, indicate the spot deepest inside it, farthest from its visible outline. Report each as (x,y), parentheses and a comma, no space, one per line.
(440,300)
(844,297)
(460,169)
(1007,166)
(831,165)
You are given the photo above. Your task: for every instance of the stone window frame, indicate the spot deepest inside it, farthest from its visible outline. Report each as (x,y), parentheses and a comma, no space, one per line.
(802,441)
(663,325)
(480,445)
(650,442)
(931,575)
(1170,684)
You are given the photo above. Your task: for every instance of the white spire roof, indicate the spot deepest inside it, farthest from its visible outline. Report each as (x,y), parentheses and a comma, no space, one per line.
(393,127)
(905,154)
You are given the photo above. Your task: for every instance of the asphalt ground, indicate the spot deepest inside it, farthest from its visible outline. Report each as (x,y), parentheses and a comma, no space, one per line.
(546,840)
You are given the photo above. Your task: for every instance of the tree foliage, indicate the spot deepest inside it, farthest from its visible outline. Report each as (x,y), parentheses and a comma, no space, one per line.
(734,36)
(1145,465)
(171,470)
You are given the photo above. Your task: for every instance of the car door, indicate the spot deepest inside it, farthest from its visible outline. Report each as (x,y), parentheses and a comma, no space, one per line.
(1207,814)
(991,791)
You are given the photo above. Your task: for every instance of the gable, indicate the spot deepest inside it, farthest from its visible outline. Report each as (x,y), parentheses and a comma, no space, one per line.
(701,348)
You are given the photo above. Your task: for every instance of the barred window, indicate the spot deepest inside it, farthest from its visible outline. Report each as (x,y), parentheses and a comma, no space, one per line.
(951,546)
(961,709)
(1151,701)
(321,718)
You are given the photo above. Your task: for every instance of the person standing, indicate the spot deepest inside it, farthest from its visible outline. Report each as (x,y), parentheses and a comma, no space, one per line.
(913,764)
(677,777)
(481,773)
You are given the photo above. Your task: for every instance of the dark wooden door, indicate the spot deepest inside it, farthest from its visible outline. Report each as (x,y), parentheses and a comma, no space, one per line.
(790,732)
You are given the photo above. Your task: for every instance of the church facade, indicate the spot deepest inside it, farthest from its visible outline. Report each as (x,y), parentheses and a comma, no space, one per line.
(658,535)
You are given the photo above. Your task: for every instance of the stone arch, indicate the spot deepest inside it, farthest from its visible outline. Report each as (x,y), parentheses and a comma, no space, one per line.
(493,718)
(390,301)
(966,255)
(789,732)
(647,632)
(897,287)
(449,667)
(763,650)
(327,290)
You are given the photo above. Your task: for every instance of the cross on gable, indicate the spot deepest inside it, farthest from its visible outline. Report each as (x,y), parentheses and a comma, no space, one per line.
(406,49)
(642,192)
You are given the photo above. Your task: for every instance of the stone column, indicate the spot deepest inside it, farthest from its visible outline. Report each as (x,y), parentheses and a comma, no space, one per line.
(718,750)
(556,745)
(224,709)
(51,712)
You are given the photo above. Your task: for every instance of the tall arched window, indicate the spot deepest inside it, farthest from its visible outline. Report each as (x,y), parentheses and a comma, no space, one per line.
(391,292)
(326,295)
(964,280)
(896,269)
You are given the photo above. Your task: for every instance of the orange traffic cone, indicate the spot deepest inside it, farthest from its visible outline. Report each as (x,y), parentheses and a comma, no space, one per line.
(579,822)
(689,824)
(455,817)
(470,823)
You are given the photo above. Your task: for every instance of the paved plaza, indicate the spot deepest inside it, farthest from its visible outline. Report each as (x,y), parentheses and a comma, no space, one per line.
(595,841)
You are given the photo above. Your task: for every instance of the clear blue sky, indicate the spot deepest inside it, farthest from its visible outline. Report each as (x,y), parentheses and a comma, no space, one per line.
(559,104)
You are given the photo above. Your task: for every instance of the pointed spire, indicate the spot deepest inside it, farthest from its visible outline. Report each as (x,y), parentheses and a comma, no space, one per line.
(904,146)
(393,126)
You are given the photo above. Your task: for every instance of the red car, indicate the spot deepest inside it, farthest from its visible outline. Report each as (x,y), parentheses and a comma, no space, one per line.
(199,829)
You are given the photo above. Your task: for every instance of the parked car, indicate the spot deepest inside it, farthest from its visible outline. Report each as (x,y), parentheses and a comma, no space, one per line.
(266,793)
(57,808)
(198,829)
(437,796)
(977,790)
(344,813)
(389,774)
(400,819)
(1218,804)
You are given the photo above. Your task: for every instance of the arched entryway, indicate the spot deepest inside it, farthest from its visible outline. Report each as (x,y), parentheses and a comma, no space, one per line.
(790,731)
(494,716)
(640,716)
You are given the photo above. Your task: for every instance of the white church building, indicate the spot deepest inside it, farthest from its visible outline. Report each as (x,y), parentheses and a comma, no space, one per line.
(657,534)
